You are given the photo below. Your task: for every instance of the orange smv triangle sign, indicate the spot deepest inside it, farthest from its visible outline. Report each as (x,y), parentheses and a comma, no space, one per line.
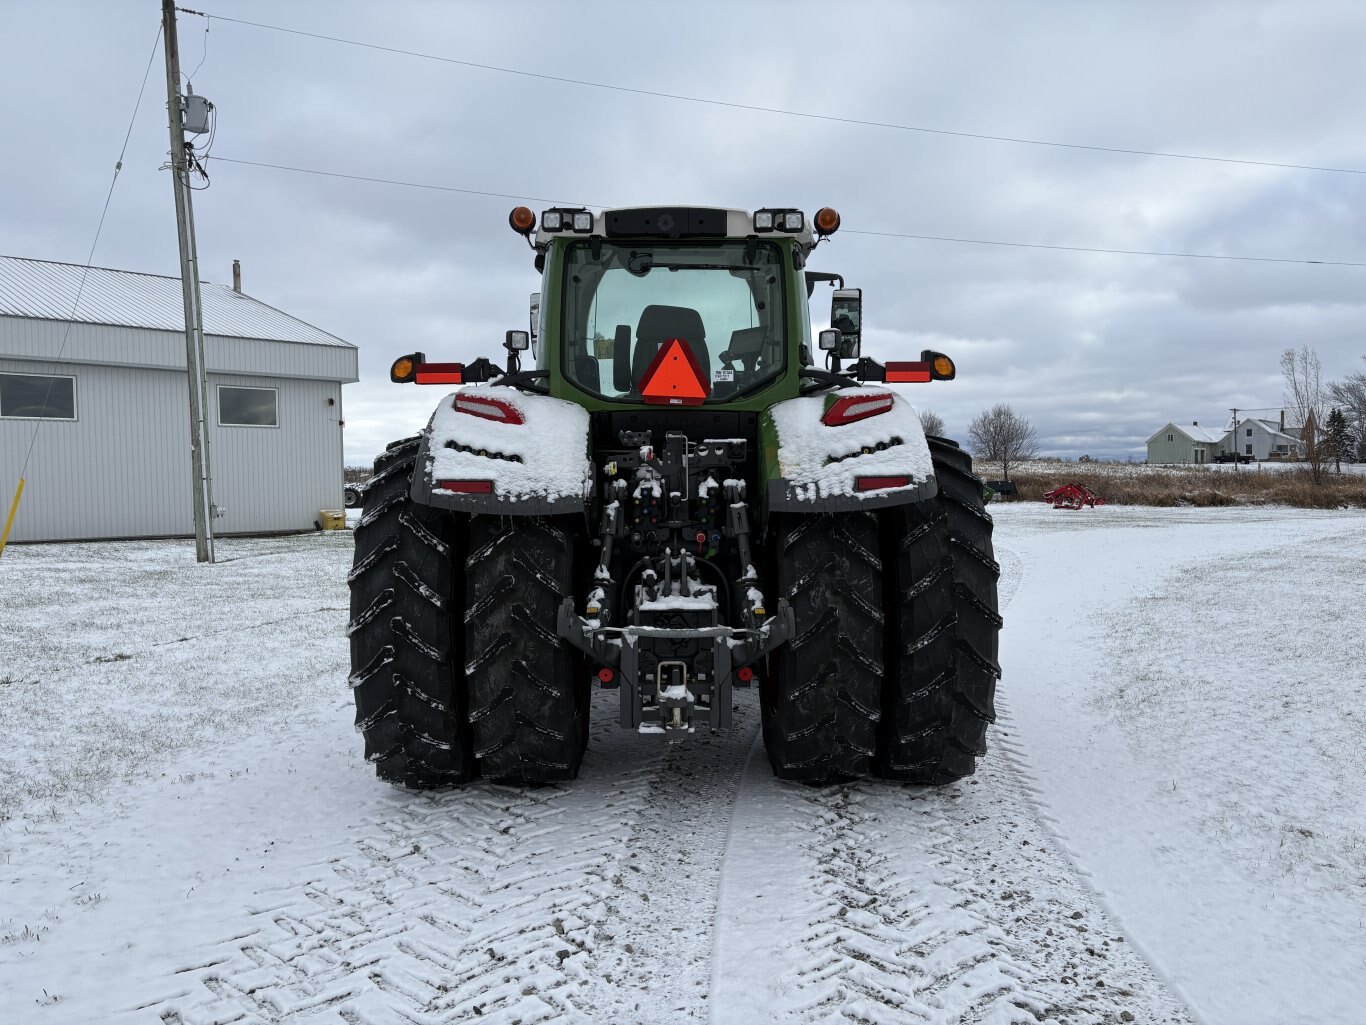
(673,377)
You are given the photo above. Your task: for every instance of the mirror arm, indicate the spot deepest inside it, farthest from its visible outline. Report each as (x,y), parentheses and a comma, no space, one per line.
(821,379)
(868,369)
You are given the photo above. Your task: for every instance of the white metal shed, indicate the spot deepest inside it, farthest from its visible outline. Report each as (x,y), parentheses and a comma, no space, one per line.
(108,419)
(1182,443)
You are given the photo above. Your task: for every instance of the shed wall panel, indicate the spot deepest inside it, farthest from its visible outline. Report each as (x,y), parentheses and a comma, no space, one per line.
(121,469)
(278,478)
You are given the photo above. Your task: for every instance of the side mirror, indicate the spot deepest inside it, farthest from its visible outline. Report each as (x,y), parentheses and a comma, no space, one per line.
(830,339)
(517,341)
(846,317)
(535,318)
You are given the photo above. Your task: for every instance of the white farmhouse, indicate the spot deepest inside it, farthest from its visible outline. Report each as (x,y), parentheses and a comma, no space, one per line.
(1180,443)
(96,403)
(1263,439)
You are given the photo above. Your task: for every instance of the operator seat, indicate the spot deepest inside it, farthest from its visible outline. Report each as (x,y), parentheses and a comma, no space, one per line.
(660,323)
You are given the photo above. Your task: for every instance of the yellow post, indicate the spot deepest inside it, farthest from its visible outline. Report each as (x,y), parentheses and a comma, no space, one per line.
(13,508)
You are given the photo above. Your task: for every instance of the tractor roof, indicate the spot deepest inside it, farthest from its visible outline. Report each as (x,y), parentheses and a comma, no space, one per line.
(670,222)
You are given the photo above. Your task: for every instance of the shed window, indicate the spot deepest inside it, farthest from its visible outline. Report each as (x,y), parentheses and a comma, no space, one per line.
(1249,432)
(37,396)
(248,407)
(1169,437)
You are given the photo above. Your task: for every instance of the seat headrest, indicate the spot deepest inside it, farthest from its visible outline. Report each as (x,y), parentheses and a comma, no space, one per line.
(660,322)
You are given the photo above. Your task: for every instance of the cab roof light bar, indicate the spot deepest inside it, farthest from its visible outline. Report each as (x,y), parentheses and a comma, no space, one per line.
(562,218)
(774,219)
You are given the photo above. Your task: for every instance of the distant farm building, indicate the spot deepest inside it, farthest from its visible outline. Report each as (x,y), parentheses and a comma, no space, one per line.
(1267,439)
(1253,438)
(1180,443)
(102,397)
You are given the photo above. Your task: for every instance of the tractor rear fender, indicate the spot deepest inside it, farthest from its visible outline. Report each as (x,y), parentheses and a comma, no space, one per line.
(856,448)
(494,449)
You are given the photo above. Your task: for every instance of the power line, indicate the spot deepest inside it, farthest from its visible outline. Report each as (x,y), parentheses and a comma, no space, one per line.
(409,185)
(1113,252)
(735,105)
(845,231)
(90,256)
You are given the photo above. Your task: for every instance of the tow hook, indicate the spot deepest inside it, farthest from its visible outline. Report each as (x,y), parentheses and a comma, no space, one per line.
(675,700)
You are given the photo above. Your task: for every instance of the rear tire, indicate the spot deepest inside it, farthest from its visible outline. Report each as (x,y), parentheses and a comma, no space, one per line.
(528,706)
(942,628)
(821,694)
(406,652)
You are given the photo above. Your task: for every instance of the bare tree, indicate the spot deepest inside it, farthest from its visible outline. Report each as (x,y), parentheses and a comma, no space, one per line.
(1304,399)
(1003,436)
(932,422)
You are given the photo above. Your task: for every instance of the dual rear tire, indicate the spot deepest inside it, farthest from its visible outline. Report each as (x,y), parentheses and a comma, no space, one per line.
(457,671)
(893,667)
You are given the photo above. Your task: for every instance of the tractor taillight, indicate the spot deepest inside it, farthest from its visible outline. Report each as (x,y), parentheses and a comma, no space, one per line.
(880,483)
(489,409)
(466,487)
(440,373)
(745,673)
(850,408)
(606,675)
(908,373)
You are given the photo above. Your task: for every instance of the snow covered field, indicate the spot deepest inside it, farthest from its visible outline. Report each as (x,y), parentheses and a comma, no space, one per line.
(1170,826)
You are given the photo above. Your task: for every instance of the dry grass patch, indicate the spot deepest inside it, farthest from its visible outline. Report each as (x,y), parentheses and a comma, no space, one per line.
(1137,484)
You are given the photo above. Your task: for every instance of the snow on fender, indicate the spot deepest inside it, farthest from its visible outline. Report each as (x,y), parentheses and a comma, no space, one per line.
(492,449)
(857,448)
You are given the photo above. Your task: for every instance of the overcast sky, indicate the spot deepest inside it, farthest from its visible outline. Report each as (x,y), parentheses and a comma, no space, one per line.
(1099,350)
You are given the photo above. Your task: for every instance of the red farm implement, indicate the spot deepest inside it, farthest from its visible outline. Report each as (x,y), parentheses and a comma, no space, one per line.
(1072,496)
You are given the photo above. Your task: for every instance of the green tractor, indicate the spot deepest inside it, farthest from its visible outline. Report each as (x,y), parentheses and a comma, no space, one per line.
(671,499)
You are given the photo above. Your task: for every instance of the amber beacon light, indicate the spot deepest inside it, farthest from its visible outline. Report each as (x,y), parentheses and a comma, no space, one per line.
(523,221)
(827,221)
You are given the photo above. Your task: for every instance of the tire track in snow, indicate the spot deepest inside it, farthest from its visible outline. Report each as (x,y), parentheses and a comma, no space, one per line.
(876,903)
(591,901)
(873,903)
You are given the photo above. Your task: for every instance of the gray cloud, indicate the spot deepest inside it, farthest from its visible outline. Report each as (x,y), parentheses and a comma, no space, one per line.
(1099,350)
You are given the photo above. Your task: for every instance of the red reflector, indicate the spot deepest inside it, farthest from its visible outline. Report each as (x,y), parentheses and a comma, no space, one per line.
(605,675)
(880,483)
(466,487)
(673,377)
(745,673)
(489,409)
(908,373)
(849,408)
(440,373)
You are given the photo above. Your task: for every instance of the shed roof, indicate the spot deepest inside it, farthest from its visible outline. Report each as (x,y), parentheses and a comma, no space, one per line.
(44,290)
(1192,431)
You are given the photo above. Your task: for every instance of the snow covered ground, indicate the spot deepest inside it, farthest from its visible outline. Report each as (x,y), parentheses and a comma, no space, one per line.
(1170,826)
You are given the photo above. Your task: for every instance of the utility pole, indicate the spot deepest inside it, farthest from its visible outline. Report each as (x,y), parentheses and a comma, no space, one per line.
(1233,438)
(189,280)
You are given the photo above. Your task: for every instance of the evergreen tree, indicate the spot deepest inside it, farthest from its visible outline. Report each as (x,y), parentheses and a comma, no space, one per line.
(1336,438)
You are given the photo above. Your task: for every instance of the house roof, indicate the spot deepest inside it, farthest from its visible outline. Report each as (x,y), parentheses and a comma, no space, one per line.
(43,290)
(1193,432)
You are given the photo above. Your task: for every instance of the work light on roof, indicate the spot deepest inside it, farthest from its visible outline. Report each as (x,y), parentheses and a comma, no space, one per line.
(773,219)
(575,219)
